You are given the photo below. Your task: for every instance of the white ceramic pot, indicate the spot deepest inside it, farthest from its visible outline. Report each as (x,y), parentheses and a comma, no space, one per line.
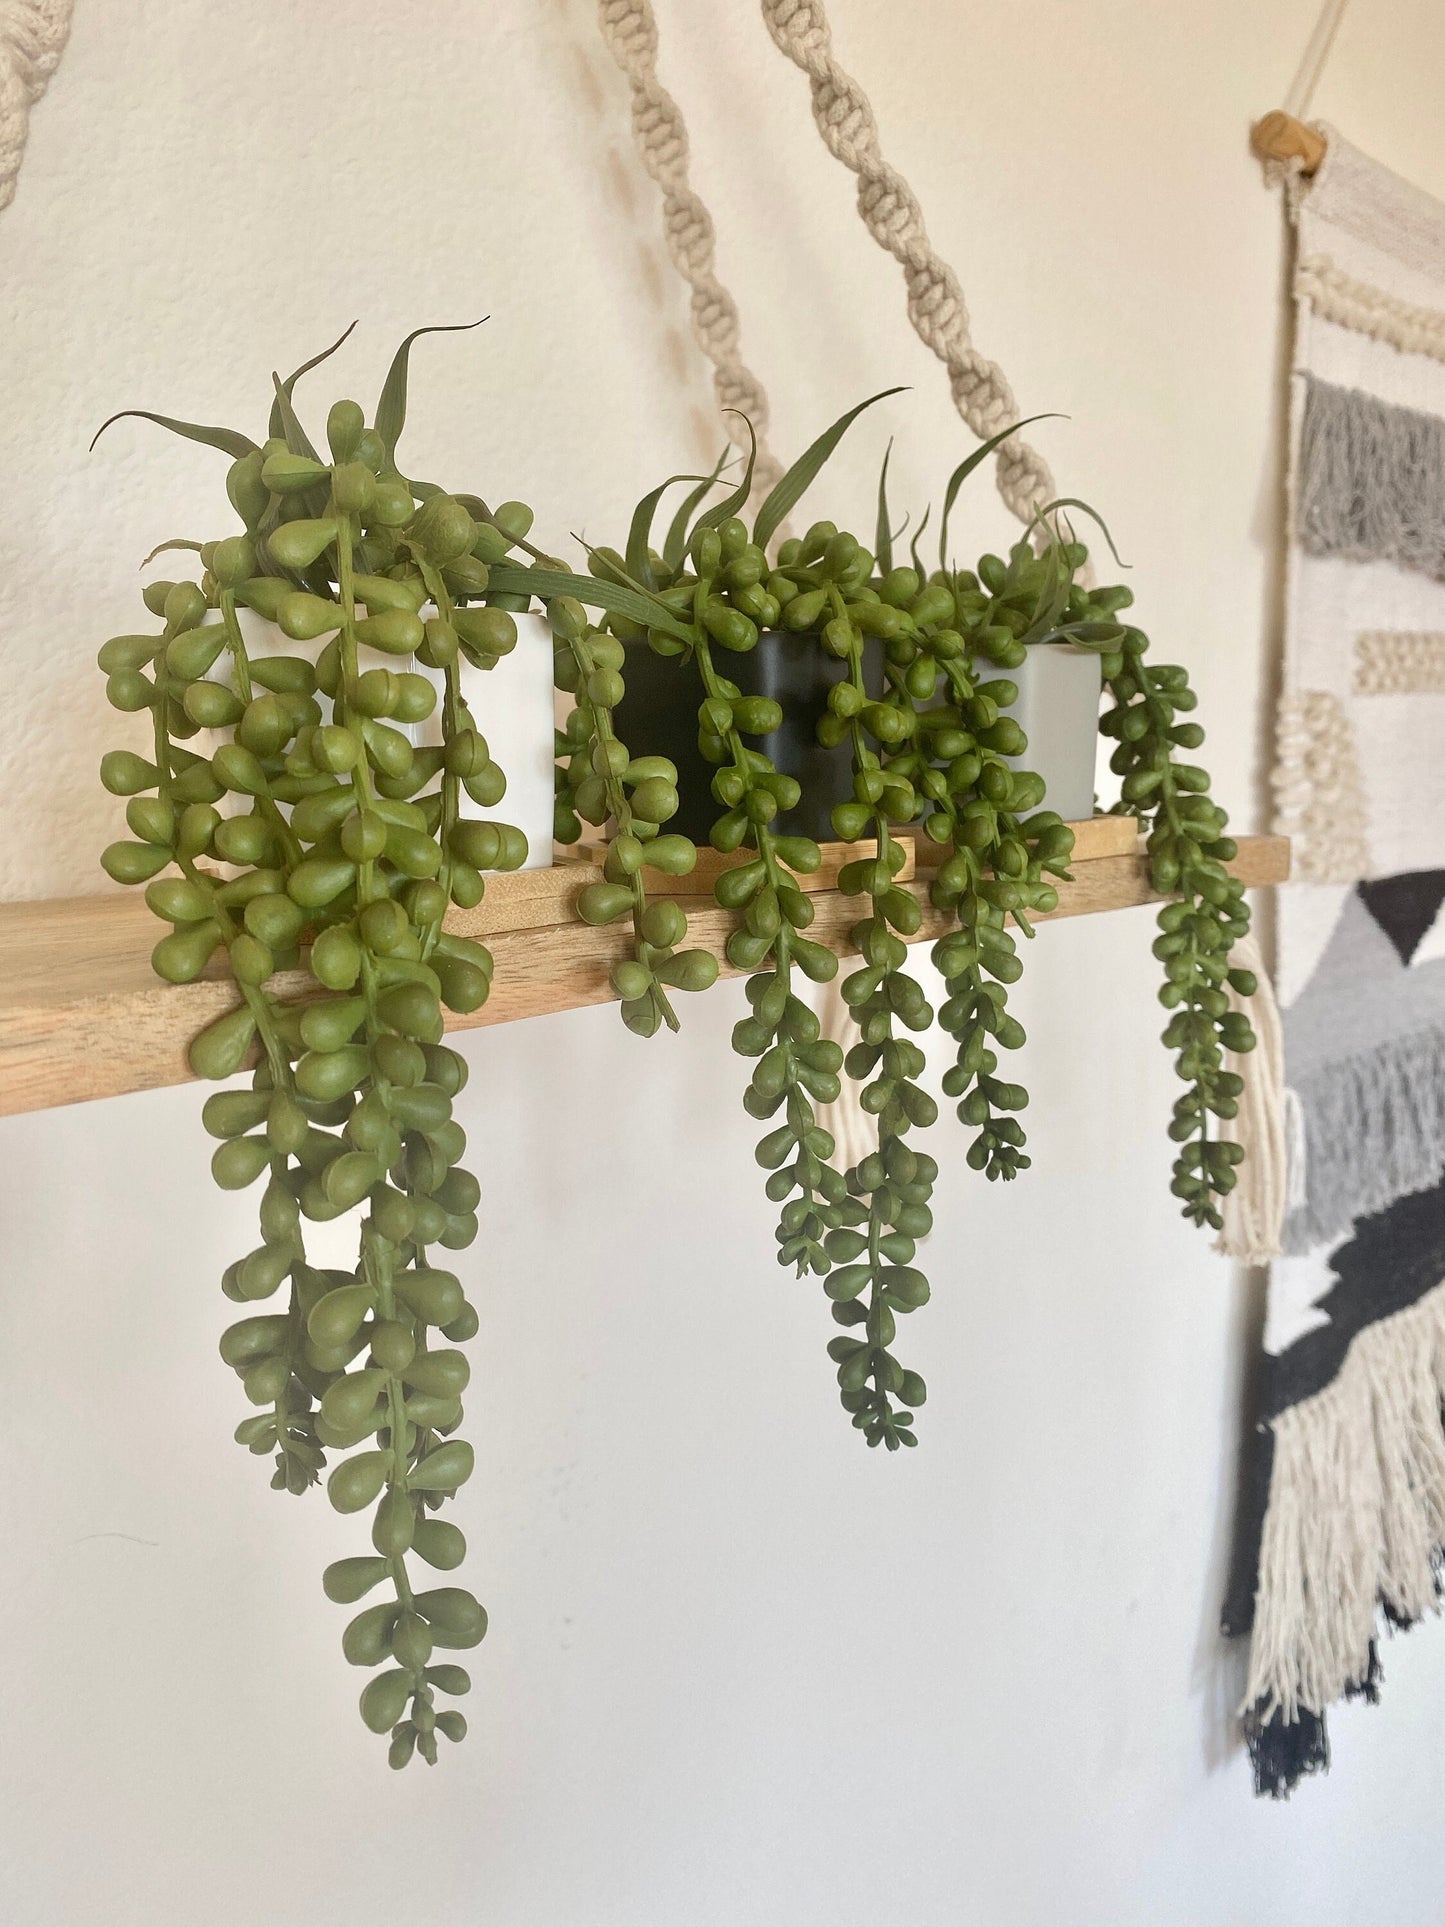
(1058,710)
(513,707)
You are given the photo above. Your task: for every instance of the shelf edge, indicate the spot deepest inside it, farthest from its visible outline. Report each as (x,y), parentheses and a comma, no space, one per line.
(73,1031)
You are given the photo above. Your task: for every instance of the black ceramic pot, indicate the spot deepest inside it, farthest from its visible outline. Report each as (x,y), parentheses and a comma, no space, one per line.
(658,717)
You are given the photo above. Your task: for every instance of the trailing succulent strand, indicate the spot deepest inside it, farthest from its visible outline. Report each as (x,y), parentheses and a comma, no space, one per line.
(931,745)
(333,826)
(858,1229)
(822,583)
(686,612)
(1002,610)
(1207,915)
(796,1067)
(1002,846)
(877,1280)
(600,781)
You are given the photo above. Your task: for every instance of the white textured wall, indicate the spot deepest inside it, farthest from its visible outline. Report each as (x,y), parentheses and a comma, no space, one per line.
(740,1670)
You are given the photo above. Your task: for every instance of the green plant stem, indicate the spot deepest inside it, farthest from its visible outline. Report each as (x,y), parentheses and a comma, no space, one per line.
(451,729)
(377,1253)
(236,642)
(891,1091)
(798,1106)
(619,806)
(260,1008)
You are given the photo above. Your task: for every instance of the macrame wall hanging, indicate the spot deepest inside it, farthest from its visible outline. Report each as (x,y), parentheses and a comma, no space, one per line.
(1345,1516)
(981,392)
(33,34)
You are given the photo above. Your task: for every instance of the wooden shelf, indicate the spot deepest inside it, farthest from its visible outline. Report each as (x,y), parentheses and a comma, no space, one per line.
(82,1015)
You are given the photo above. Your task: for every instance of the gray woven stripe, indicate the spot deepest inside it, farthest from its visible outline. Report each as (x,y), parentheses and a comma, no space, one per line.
(1374,1132)
(1371,480)
(1365,1046)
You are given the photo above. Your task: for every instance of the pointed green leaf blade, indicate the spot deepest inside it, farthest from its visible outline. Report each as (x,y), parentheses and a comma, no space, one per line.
(277,425)
(639,535)
(883,527)
(1053,592)
(918,561)
(616,598)
(176,542)
(230,441)
(391,407)
(1073,502)
(785,495)
(295,436)
(966,467)
(724,510)
(675,547)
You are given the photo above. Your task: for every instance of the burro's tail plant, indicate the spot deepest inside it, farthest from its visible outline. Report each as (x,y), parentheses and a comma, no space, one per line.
(931,746)
(317,851)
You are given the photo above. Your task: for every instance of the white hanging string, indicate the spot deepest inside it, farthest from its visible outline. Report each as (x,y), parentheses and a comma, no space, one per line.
(1321,41)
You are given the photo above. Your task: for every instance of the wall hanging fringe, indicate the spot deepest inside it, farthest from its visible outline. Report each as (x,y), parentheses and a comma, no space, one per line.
(1254,1211)
(1370,479)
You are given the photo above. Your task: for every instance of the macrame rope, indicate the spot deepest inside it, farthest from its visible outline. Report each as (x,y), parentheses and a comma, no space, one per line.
(32,38)
(630,31)
(893,217)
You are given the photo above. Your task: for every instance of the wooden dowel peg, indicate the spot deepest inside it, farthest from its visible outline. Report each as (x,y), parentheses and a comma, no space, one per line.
(1280,137)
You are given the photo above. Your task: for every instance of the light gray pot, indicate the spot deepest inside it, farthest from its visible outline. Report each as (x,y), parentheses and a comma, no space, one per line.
(1058,710)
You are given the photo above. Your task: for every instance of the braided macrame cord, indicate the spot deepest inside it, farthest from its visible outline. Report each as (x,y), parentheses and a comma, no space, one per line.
(985,401)
(891,214)
(33,34)
(630,31)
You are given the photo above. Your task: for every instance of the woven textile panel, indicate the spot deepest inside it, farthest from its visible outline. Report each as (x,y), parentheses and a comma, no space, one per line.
(1344,1521)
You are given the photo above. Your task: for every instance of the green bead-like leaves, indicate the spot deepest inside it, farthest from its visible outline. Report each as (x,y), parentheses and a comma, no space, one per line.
(356,1482)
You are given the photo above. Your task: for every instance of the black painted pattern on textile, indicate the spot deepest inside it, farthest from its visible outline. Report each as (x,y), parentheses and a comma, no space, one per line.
(1394,1257)
(1405,906)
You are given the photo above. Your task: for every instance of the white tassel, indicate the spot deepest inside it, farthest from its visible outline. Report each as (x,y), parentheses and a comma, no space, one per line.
(1254,1211)
(1356,1513)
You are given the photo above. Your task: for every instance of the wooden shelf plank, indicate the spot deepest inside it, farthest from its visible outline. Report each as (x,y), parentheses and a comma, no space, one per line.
(82,1015)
